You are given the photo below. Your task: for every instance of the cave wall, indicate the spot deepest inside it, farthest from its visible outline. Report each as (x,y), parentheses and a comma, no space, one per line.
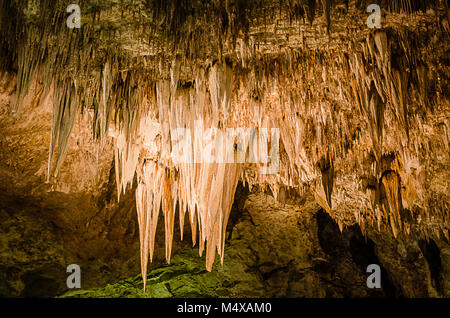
(287,250)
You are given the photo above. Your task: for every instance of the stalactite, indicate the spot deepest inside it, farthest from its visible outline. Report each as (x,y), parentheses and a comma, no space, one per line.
(326,4)
(65,110)
(311,11)
(327,169)
(206,190)
(392,203)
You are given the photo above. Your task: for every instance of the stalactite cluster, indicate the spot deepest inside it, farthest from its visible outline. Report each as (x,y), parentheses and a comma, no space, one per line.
(357,121)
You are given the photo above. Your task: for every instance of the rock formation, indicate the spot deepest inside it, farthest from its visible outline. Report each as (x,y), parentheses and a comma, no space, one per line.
(356,117)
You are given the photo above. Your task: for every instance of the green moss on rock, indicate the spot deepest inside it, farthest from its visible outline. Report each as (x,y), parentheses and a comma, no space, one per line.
(185,276)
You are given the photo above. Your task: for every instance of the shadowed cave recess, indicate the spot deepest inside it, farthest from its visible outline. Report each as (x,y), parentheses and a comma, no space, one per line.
(90,172)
